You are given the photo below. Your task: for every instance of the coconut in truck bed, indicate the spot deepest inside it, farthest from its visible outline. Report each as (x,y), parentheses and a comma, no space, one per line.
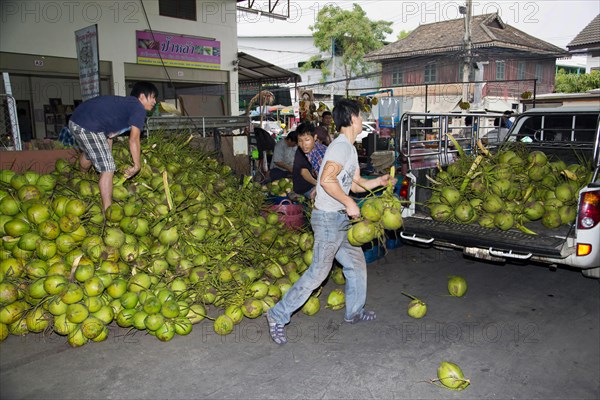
(520,198)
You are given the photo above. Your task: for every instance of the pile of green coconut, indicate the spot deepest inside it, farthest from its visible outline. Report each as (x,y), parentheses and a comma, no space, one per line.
(508,189)
(184,241)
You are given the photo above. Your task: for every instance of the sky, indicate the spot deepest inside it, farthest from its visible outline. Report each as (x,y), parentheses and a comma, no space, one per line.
(555,21)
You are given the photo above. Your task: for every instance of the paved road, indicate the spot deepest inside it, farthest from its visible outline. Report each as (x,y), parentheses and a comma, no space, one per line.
(520,332)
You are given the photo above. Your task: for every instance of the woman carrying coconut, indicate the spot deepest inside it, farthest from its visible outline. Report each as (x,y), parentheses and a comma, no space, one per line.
(339,174)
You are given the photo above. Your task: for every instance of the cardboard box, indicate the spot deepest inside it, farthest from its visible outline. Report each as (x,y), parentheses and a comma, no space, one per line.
(40,161)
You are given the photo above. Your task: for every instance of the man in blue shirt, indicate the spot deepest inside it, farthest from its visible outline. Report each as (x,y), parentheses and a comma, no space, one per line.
(97,121)
(506,121)
(307,161)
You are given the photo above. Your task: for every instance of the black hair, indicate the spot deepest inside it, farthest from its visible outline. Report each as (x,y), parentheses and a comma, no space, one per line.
(293,136)
(145,88)
(326,113)
(343,112)
(468,120)
(305,128)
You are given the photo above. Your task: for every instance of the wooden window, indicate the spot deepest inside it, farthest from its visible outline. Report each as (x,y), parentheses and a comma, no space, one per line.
(538,72)
(500,66)
(461,72)
(430,73)
(521,70)
(397,77)
(184,9)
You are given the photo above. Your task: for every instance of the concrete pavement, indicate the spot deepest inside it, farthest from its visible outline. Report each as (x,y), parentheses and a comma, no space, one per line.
(520,332)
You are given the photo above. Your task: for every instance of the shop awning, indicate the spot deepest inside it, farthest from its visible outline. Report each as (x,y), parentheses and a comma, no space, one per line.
(254,71)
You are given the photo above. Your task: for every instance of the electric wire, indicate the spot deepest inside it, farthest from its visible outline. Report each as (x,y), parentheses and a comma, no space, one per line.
(162,62)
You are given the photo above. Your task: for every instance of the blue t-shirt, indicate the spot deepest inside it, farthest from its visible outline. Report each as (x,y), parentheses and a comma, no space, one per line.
(110,115)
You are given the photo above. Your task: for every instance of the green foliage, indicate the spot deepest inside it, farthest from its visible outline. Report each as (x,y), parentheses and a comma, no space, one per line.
(572,83)
(402,34)
(353,34)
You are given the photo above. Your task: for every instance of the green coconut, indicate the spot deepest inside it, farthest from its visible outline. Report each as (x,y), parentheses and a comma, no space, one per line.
(457,286)
(372,209)
(451,376)
(450,196)
(534,210)
(336,299)
(567,214)
(441,212)
(551,219)
(504,220)
(464,212)
(492,203)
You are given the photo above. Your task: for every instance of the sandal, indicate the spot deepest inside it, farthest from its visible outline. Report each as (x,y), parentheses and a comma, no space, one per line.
(277,331)
(364,316)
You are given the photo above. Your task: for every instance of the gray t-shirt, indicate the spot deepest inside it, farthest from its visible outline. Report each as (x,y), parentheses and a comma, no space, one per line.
(342,152)
(283,153)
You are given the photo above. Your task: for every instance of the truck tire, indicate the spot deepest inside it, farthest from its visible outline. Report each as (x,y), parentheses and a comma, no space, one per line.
(591,273)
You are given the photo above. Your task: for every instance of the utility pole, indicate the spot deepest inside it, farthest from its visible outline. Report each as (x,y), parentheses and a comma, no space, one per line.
(468,49)
(332,68)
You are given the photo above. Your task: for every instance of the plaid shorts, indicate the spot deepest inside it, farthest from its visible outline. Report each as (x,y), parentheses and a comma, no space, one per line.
(95,146)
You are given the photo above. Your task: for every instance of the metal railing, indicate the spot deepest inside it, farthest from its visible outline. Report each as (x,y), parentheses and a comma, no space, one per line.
(424,143)
(10,137)
(202,126)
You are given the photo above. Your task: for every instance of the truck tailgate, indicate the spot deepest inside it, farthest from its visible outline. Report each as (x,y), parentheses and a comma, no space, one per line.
(473,235)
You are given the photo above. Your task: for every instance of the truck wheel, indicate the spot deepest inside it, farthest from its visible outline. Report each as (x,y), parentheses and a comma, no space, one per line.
(591,273)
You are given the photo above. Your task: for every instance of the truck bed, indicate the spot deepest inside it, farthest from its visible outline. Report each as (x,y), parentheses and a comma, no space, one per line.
(547,242)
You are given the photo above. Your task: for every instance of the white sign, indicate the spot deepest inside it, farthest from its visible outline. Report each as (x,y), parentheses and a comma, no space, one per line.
(86,40)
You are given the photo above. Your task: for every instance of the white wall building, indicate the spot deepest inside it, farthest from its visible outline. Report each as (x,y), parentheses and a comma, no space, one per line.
(288,51)
(38,50)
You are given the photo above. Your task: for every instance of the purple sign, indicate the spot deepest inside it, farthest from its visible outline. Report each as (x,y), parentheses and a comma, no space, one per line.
(177,50)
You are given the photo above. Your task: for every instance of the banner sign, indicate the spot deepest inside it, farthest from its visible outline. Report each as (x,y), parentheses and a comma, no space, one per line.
(177,50)
(86,40)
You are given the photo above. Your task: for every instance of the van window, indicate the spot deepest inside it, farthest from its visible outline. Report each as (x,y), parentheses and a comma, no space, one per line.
(557,128)
(585,126)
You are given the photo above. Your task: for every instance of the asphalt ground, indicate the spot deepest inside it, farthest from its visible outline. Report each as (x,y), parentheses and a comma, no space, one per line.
(520,332)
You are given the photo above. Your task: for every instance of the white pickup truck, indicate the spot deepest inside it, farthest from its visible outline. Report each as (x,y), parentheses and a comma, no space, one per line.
(568,133)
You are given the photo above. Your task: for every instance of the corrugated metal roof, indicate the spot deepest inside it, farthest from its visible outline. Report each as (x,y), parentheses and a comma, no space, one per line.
(252,70)
(589,35)
(487,30)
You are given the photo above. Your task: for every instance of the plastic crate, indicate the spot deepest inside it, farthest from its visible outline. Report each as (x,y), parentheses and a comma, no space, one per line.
(270,199)
(372,253)
(392,239)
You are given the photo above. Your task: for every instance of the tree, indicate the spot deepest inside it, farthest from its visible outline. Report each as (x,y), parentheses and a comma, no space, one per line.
(572,83)
(402,34)
(352,34)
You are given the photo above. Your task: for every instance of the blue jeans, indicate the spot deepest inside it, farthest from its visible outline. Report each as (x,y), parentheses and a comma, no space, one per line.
(331,242)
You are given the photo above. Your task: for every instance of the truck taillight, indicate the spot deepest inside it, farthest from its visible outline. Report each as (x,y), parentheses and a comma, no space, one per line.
(589,210)
(404,186)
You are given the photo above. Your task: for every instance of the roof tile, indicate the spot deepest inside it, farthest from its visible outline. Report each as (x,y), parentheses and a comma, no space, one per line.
(447,36)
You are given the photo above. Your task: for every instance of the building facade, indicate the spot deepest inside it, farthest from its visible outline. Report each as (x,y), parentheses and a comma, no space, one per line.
(38,50)
(505,63)
(292,51)
(587,44)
